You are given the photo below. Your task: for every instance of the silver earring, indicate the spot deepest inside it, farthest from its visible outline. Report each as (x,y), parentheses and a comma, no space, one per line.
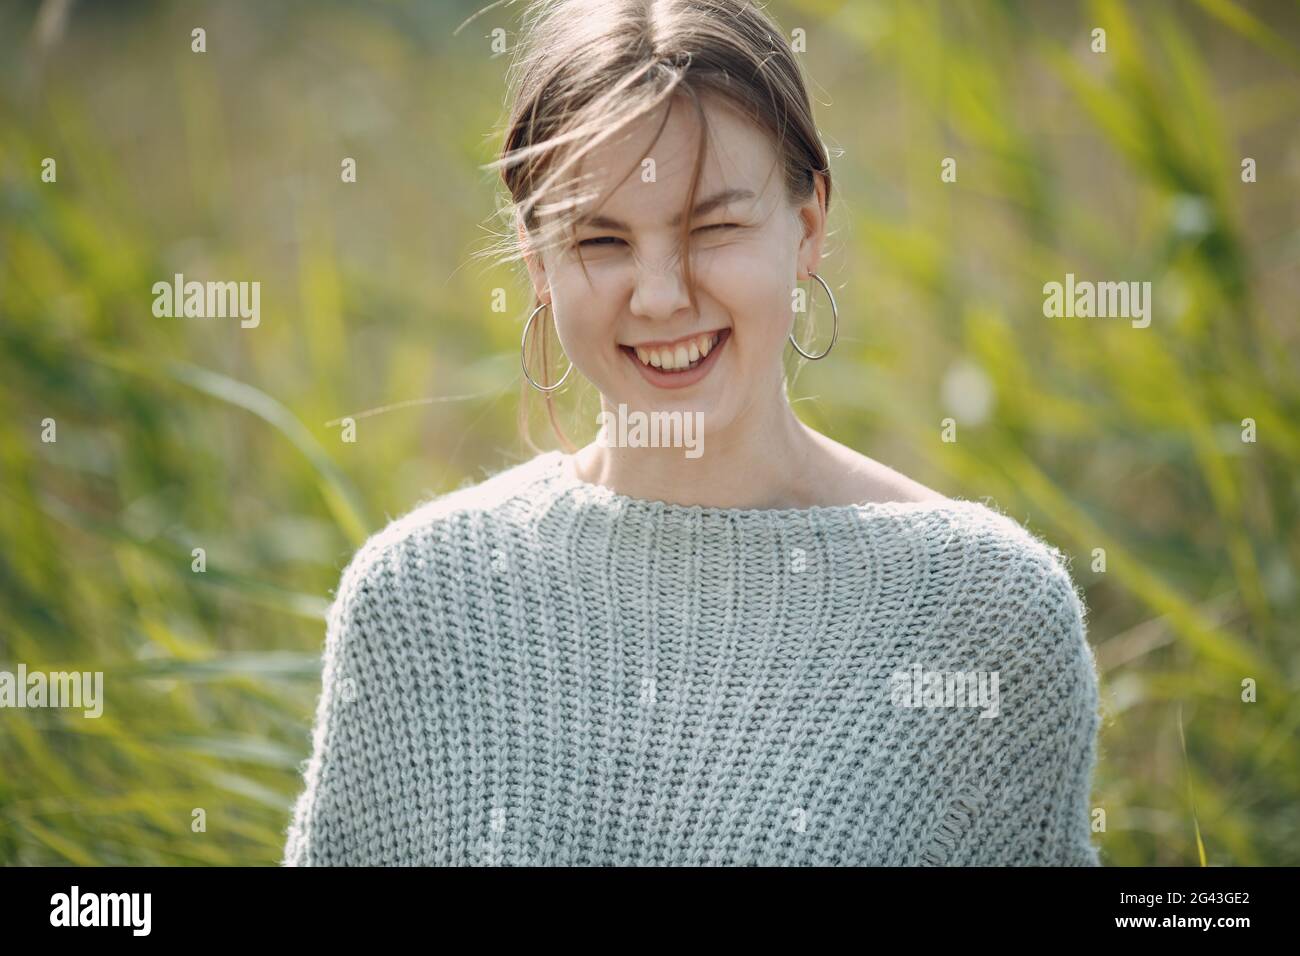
(523,356)
(835,328)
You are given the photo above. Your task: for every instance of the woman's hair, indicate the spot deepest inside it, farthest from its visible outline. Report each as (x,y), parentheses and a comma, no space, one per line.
(586,69)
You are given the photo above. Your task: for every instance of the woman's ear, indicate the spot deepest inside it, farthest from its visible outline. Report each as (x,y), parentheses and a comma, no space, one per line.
(536,268)
(812,219)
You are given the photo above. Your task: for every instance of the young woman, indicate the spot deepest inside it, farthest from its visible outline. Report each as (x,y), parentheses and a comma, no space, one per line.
(773,651)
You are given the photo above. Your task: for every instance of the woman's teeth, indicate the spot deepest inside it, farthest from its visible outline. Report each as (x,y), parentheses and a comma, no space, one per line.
(682,356)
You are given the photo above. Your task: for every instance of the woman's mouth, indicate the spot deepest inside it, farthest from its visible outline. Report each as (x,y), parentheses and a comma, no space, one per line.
(682,363)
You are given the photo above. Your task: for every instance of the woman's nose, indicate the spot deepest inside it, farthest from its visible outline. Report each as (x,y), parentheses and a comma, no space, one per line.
(660,289)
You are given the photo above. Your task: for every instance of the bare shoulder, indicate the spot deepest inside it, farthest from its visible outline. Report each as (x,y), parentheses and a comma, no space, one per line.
(861,479)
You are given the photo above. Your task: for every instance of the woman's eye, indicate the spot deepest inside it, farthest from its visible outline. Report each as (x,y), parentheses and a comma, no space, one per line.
(606,241)
(717,225)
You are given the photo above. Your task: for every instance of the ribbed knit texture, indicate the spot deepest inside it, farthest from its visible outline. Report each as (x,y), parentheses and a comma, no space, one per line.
(538,671)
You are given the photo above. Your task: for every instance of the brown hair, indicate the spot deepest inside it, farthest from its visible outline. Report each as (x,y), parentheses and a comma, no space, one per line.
(588,68)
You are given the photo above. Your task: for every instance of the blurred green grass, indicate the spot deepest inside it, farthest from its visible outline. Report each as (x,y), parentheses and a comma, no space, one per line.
(175,434)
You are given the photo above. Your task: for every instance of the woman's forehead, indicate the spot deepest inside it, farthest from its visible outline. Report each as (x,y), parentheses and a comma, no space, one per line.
(633,175)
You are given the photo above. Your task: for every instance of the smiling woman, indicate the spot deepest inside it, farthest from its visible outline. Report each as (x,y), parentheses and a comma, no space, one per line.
(628,655)
(636,270)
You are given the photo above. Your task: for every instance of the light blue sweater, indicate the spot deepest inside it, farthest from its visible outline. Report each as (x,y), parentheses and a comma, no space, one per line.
(538,671)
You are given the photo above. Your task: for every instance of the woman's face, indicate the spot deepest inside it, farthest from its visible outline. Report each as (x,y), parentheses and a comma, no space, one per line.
(627,324)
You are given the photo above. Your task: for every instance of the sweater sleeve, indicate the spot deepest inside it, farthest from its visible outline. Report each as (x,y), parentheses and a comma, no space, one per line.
(1033,800)
(328,824)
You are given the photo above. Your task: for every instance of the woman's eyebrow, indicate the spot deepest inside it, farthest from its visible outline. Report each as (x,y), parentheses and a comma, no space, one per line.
(702,208)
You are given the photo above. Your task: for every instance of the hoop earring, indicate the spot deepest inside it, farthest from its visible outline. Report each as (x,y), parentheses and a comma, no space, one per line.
(523,356)
(835,328)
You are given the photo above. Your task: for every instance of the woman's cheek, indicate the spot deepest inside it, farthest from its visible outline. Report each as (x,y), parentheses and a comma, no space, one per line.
(749,288)
(578,327)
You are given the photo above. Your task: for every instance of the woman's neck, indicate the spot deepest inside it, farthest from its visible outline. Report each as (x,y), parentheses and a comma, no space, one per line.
(769,460)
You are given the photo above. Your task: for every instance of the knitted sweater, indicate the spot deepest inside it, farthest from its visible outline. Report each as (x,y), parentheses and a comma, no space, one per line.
(535,670)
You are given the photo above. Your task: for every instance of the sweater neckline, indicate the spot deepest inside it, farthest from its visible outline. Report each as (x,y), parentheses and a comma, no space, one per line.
(554,466)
